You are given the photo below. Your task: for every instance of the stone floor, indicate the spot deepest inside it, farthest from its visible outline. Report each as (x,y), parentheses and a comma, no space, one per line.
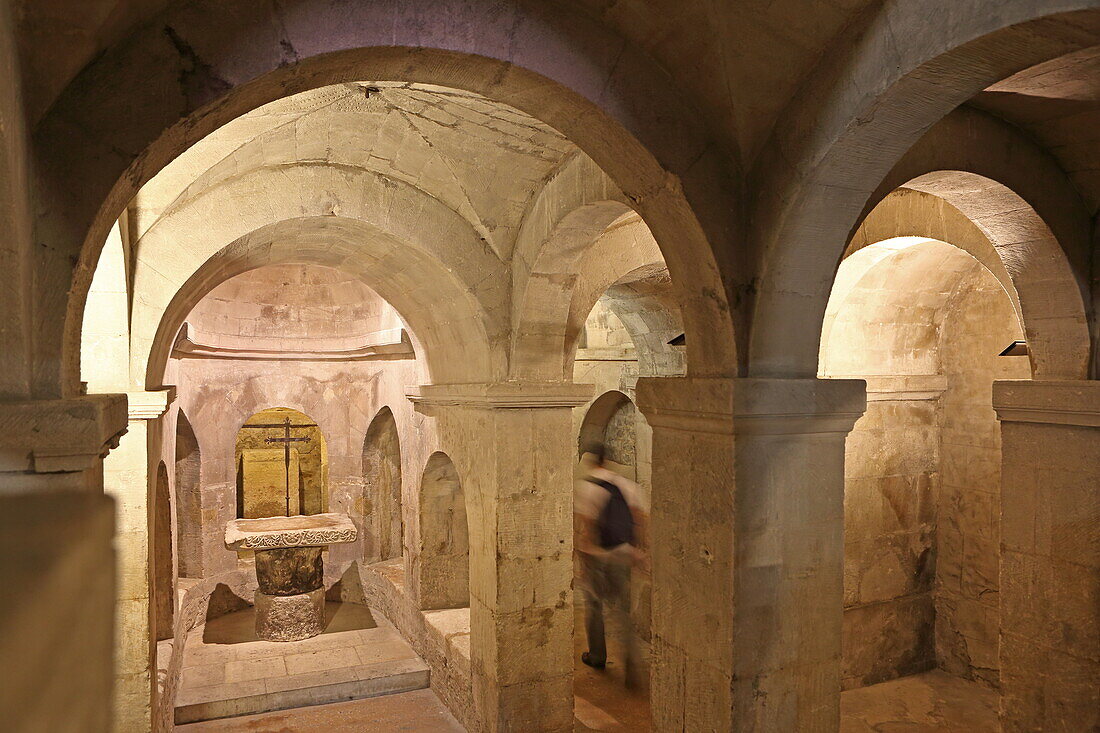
(601,701)
(228,671)
(933,702)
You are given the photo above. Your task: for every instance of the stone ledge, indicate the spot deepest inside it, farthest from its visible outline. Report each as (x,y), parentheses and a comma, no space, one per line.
(905,387)
(66,435)
(149,405)
(501,395)
(1053,403)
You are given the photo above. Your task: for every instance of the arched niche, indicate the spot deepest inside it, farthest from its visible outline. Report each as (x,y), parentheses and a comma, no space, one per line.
(611,422)
(164,581)
(188,463)
(443,567)
(382,488)
(924,322)
(282,465)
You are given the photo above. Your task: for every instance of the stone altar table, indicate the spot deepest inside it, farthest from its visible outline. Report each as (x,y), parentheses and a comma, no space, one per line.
(290,600)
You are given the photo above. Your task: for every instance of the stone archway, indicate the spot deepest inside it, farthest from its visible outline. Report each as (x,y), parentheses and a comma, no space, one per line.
(610,422)
(923,322)
(382,488)
(441,565)
(818,185)
(632,144)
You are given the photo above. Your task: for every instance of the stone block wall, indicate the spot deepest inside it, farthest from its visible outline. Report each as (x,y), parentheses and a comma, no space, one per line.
(1050,569)
(891,476)
(968,538)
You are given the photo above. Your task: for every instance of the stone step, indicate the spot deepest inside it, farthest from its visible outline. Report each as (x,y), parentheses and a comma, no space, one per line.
(293,691)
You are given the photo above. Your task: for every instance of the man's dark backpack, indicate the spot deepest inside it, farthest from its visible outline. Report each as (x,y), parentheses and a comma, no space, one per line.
(615,524)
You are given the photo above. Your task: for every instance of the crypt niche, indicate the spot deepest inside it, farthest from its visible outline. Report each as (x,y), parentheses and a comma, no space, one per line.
(282,465)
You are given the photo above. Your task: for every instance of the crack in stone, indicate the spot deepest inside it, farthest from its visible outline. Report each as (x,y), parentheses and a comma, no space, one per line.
(197,79)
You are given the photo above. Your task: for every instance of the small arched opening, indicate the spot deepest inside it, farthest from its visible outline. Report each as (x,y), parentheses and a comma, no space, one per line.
(282,465)
(382,488)
(188,463)
(164,581)
(443,575)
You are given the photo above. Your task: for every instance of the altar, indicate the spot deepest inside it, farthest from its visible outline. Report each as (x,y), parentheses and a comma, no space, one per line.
(290,598)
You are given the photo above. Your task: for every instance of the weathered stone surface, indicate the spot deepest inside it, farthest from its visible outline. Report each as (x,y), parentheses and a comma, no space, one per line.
(290,618)
(288,571)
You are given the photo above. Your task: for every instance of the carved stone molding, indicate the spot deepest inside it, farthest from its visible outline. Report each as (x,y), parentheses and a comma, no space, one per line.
(55,436)
(384,345)
(1054,403)
(149,405)
(269,533)
(501,395)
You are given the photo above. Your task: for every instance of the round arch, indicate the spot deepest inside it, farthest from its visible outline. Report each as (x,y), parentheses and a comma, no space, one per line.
(817,185)
(1003,232)
(613,102)
(600,414)
(415,283)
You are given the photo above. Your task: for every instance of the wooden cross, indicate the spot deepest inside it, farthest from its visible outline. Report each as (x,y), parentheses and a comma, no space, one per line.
(286,440)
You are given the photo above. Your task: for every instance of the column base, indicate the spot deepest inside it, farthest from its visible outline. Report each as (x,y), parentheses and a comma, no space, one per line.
(290,618)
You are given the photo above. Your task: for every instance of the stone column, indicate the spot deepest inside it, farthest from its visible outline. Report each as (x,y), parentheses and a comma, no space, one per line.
(513,446)
(127,476)
(747,551)
(1050,562)
(58,563)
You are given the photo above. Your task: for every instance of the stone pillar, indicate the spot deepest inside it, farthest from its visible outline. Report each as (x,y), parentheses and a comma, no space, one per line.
(1050,561)
(57,562)
(747,550)
(127,476)
(513,446)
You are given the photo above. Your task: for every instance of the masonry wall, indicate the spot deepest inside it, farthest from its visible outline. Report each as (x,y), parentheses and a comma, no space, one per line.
(924,326)
(890,482)
(979,326)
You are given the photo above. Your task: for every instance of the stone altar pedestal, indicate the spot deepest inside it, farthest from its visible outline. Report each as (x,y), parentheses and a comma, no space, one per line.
(290,601)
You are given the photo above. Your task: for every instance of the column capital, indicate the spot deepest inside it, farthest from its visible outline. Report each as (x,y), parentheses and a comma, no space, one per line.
(1070,402)
(59,436)
(752,406)
(149,405)
(501,395)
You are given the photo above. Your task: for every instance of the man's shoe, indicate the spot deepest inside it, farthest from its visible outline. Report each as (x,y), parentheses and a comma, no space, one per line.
(587,659)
